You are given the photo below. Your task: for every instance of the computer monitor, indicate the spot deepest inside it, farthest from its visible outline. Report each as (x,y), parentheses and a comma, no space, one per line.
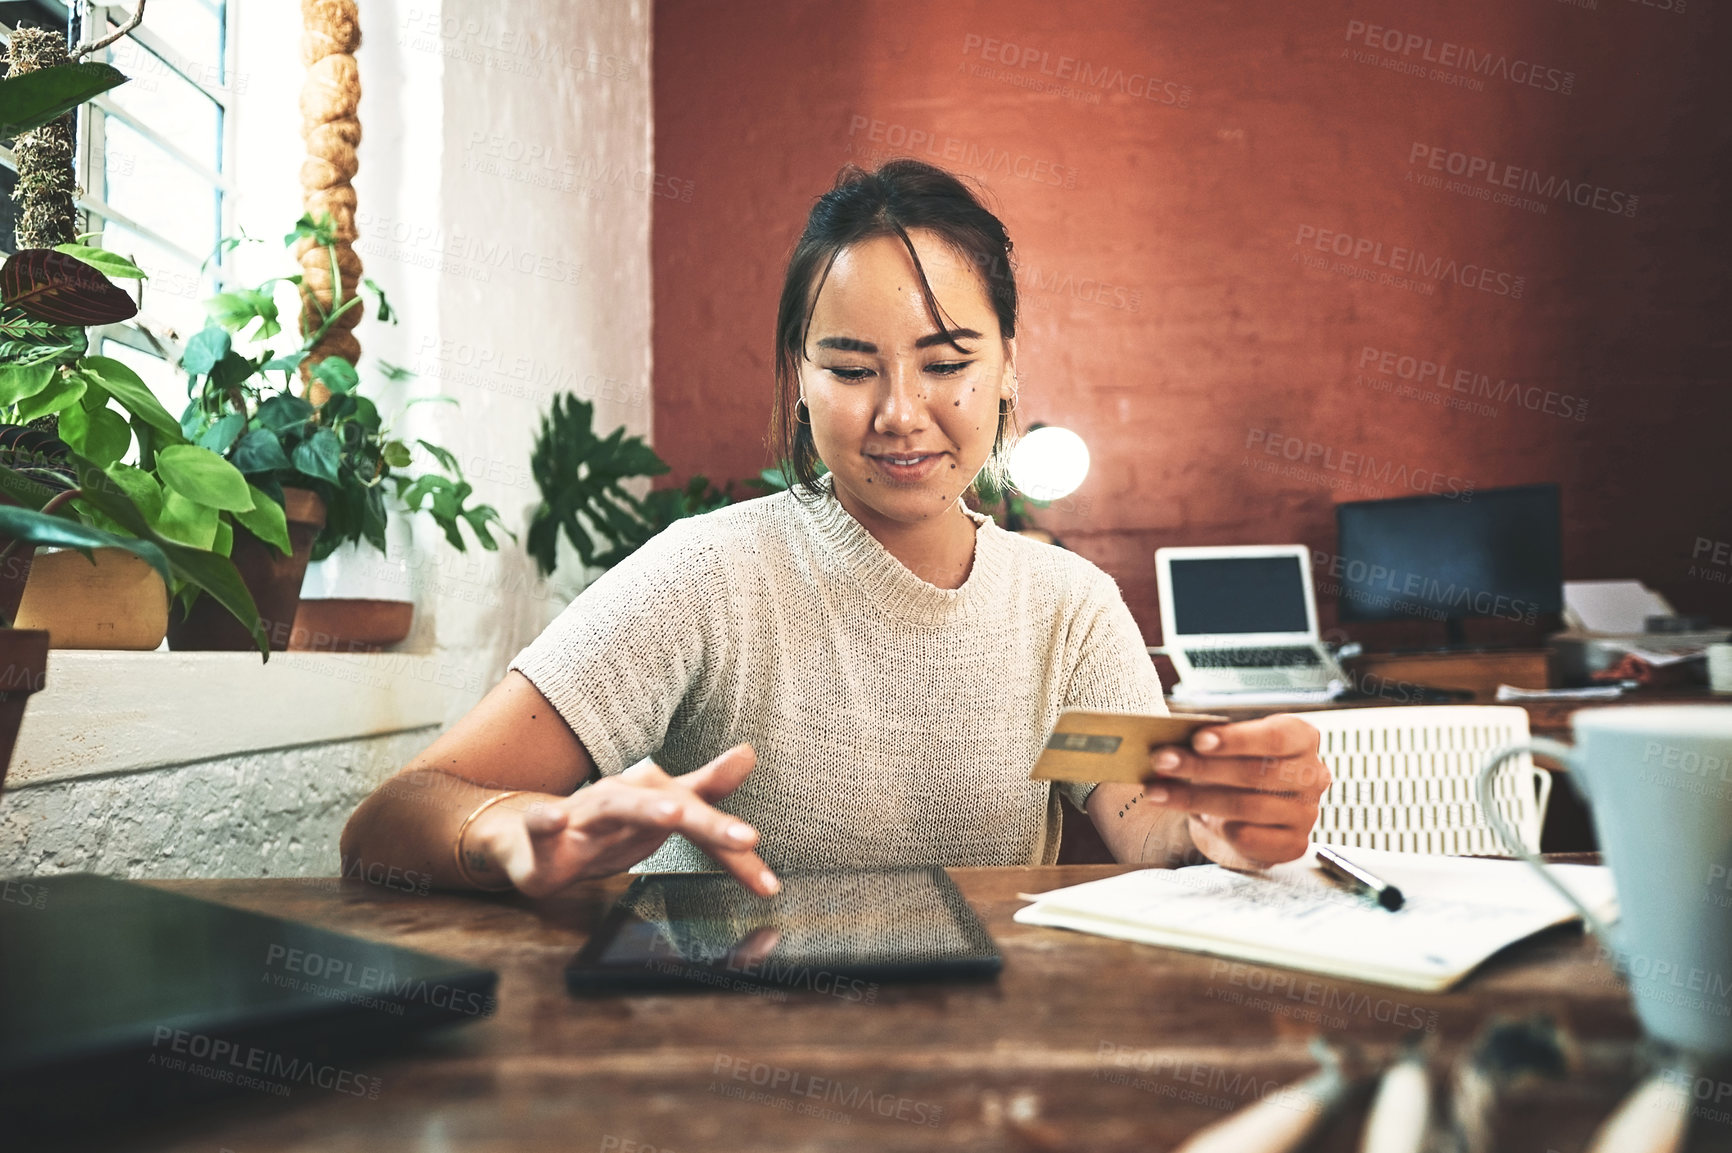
(1497,553)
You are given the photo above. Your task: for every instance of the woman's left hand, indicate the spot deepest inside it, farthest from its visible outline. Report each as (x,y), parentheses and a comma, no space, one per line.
(1250,789)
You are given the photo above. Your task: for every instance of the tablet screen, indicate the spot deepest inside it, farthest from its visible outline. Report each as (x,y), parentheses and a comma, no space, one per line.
(824,932)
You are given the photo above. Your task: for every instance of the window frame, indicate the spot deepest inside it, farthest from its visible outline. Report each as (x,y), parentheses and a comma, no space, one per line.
(89,154)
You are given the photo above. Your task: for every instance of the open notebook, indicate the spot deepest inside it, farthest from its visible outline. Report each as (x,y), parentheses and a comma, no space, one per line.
(1459,911)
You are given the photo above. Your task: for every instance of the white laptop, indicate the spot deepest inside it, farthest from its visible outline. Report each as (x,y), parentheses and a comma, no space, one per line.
(1242,619)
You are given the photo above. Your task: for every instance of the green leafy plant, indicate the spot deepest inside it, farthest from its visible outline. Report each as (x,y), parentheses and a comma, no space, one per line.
(184,491)
(341,448)
(33,99)
(46,484)
(35,96)
(178,492)
(71,489)
(1009,505)
(778,479)
(581,479)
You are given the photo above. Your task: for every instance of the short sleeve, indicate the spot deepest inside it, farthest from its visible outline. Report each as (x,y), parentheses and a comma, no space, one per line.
(619,660)
(1113,671)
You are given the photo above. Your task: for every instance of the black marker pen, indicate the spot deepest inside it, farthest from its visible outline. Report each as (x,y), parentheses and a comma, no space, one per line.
(1357,879)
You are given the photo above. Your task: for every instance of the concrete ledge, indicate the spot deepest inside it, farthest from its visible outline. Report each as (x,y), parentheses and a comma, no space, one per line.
(107,712)
(269,814)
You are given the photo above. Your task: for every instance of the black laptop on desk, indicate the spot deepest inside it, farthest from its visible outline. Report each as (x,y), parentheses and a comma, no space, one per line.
(120,1001)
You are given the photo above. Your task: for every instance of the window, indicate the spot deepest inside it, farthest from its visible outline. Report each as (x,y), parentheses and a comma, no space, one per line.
(153,160)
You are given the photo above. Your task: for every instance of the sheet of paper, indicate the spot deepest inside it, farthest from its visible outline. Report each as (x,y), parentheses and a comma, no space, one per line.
(1458,912)
(1596,693)
(1612,606)
(1672,655)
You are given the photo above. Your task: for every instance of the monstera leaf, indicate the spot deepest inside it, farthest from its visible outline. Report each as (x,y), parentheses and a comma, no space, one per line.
(666,505)
(61,289)
(580,477)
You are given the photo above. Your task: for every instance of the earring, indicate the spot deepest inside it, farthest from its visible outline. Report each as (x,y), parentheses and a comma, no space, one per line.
(1009,406)
(799,407)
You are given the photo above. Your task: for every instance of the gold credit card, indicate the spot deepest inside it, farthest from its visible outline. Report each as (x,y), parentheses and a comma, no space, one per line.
(1088,746)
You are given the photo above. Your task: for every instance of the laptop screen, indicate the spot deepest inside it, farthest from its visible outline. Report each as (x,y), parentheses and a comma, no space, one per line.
(1240,594)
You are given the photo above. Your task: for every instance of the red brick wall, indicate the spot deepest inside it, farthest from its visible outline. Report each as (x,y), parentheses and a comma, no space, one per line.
(1178,312)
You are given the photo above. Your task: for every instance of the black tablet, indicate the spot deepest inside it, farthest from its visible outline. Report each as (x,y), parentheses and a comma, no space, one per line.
(839,934)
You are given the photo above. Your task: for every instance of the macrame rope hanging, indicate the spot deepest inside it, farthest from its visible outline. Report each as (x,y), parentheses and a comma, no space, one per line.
(47,190)
(331,126)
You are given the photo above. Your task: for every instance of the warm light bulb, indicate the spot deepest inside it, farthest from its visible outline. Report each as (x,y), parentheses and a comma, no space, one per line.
(1049,463)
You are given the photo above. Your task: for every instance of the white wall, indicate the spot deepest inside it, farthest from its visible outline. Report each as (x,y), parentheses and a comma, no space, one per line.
(545,216)
(504,205)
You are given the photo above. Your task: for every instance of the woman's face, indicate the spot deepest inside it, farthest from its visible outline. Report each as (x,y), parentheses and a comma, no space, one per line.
(901,417)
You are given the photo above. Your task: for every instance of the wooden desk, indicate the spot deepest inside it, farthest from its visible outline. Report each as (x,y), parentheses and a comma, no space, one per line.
(1029,1062)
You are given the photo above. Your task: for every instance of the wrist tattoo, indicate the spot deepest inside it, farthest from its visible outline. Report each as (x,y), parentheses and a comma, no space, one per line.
(476,861)
(1126,807)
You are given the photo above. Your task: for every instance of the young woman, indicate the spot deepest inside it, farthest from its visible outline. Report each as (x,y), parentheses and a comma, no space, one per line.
(859,671)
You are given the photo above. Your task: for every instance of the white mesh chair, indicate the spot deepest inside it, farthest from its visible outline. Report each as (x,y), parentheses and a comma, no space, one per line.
(1404,778)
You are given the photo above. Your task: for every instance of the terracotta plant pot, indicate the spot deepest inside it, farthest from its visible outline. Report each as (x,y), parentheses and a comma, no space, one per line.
(14,575)
(272,578)
(39,454)
(349,625)
(14,571)
(117,603)
(23,670)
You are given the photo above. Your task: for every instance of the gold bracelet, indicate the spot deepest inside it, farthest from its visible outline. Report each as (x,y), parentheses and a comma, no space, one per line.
(457,849)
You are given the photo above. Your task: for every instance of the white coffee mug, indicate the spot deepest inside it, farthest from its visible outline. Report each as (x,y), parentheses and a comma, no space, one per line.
(1659,780)
(1720,667)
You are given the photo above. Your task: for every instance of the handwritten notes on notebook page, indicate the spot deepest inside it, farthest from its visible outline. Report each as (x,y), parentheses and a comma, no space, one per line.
(1459,911)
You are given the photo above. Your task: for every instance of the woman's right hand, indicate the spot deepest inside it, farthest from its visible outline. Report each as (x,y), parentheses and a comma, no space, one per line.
(609,826)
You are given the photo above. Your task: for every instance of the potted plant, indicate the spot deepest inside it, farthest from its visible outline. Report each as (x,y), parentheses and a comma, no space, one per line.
(55,515)
(106,597)
(581,477)
(1012,507)
(183,485)
(780,478)
(184,491)
(328,459)
(40,455)
(51,289)
(42,88)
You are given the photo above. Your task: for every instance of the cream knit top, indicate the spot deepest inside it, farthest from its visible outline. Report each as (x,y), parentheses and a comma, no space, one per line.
(895,722)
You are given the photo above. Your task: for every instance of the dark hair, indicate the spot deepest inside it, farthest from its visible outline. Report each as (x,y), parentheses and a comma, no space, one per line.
(901,195)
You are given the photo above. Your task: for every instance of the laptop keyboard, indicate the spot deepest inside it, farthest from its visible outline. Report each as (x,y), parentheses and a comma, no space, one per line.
(1286,657)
